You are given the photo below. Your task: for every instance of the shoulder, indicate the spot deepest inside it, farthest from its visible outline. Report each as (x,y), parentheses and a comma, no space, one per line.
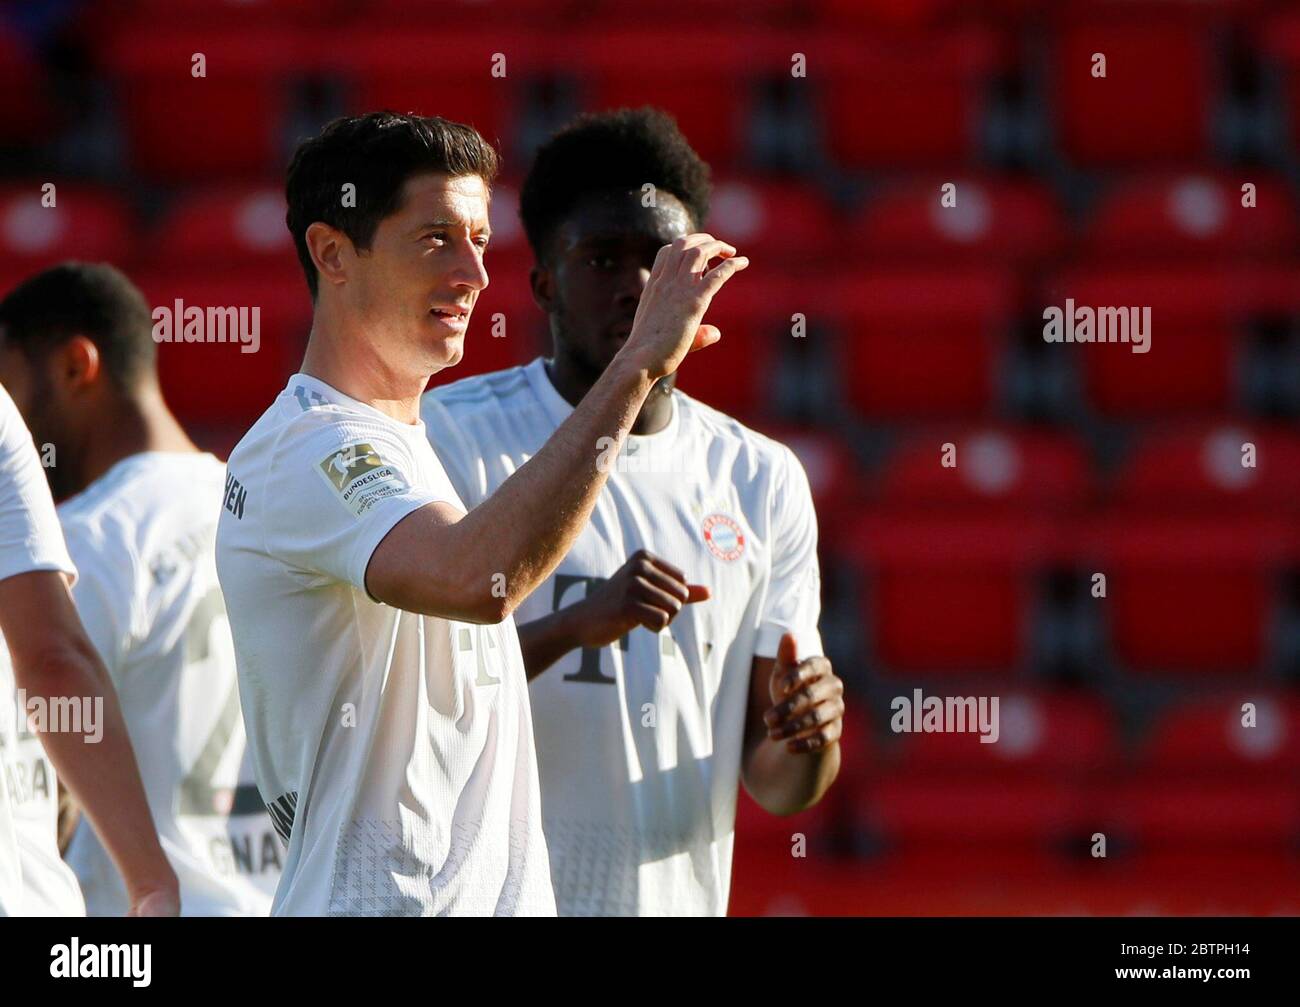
(760,453)
(480,393)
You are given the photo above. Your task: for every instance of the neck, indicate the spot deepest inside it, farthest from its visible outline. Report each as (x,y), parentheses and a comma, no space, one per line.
(130,425)
(572,380)
(342,357)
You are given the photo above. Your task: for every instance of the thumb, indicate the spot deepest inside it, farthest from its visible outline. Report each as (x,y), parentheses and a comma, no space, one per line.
(696,592)
(787,655)
(705,335)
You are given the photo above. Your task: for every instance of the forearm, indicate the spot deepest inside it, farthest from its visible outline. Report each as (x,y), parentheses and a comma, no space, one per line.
(97,764)
(785,782)
(544,641)
(526,527)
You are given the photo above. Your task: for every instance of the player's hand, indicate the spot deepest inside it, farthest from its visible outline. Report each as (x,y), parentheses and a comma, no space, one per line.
(646,591)
(165,901)
(667,322)
(807,701)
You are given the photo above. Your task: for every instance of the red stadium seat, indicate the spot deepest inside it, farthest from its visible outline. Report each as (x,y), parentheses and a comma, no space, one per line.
(217,384)
(85,222)
(995,469)
(905,101)
(1189,216)
(1197,813)
(625,68)
(1206,737)
(226,125)
(921,344)
(951,554)
(1154,103)
(779,221)
(225,225)
(32,117)
(1196,313)
(391,67)
(991,219)
(1202,468)
(1064,734)
(1279,38)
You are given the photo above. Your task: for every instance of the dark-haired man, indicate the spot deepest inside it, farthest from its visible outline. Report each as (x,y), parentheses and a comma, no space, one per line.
(140,518)
(675,649)
(384,688)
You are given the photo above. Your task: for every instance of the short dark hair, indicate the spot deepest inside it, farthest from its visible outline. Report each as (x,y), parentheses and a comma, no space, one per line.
(89,299)
(377,153)
(602,151)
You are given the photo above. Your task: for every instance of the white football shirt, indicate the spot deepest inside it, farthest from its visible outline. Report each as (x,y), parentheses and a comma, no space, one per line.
(639,743)
(395,750)
(143,537)
(34,881)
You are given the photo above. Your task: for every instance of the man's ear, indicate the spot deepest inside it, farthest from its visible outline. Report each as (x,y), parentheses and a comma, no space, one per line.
(330,250)
(543,287)
(78,363)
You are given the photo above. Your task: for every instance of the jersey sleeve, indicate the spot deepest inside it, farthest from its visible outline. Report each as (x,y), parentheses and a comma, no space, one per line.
(335,488)
(793,602)
(460,456)
(30,536)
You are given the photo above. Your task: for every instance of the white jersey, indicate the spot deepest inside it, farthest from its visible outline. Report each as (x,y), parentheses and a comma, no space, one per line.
(395,750)
(34,881)
(143,537)
(639,743)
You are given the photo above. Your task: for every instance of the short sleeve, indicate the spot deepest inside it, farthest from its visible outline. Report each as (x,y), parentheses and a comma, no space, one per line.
(793,601)
(336,486)
(460,456)
(30,536)
(105,592)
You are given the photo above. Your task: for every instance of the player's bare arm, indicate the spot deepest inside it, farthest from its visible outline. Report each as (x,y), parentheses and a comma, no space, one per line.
(792,730)
(646,591)
(478,567)
(52,657)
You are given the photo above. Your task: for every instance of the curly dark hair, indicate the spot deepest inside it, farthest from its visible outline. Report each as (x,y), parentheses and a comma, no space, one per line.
(377,153)
(623,149)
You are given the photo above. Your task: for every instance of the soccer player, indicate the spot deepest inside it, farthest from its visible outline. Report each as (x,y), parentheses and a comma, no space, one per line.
(384,689)
(675,649)
(141,524)
(47,658)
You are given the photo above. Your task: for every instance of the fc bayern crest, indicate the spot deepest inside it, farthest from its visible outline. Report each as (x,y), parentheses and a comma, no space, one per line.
(723,537)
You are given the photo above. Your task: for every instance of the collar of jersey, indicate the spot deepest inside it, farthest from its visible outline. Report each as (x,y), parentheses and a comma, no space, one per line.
(334,397)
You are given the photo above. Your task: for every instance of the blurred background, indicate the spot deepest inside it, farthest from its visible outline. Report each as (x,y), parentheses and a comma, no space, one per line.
(1120,715)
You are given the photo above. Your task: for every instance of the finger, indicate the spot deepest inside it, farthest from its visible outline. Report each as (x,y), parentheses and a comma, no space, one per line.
(654,619)
(645,556)
(696,258)
(806,671)
(723,271)
(816,740)
(661,580)
(644,591)
(705,335)
(696,592)
(787,651)
(819,691)
(815,716)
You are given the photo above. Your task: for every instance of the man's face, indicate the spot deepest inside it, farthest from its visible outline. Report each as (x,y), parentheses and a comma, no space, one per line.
(418,281)
(599,262)
(45,410)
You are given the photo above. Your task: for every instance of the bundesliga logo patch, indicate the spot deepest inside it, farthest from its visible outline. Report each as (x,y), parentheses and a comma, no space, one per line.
(360,477)
(723,537)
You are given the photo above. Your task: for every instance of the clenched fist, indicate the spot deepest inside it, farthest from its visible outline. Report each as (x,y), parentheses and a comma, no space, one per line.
(807,701)
(646,591)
